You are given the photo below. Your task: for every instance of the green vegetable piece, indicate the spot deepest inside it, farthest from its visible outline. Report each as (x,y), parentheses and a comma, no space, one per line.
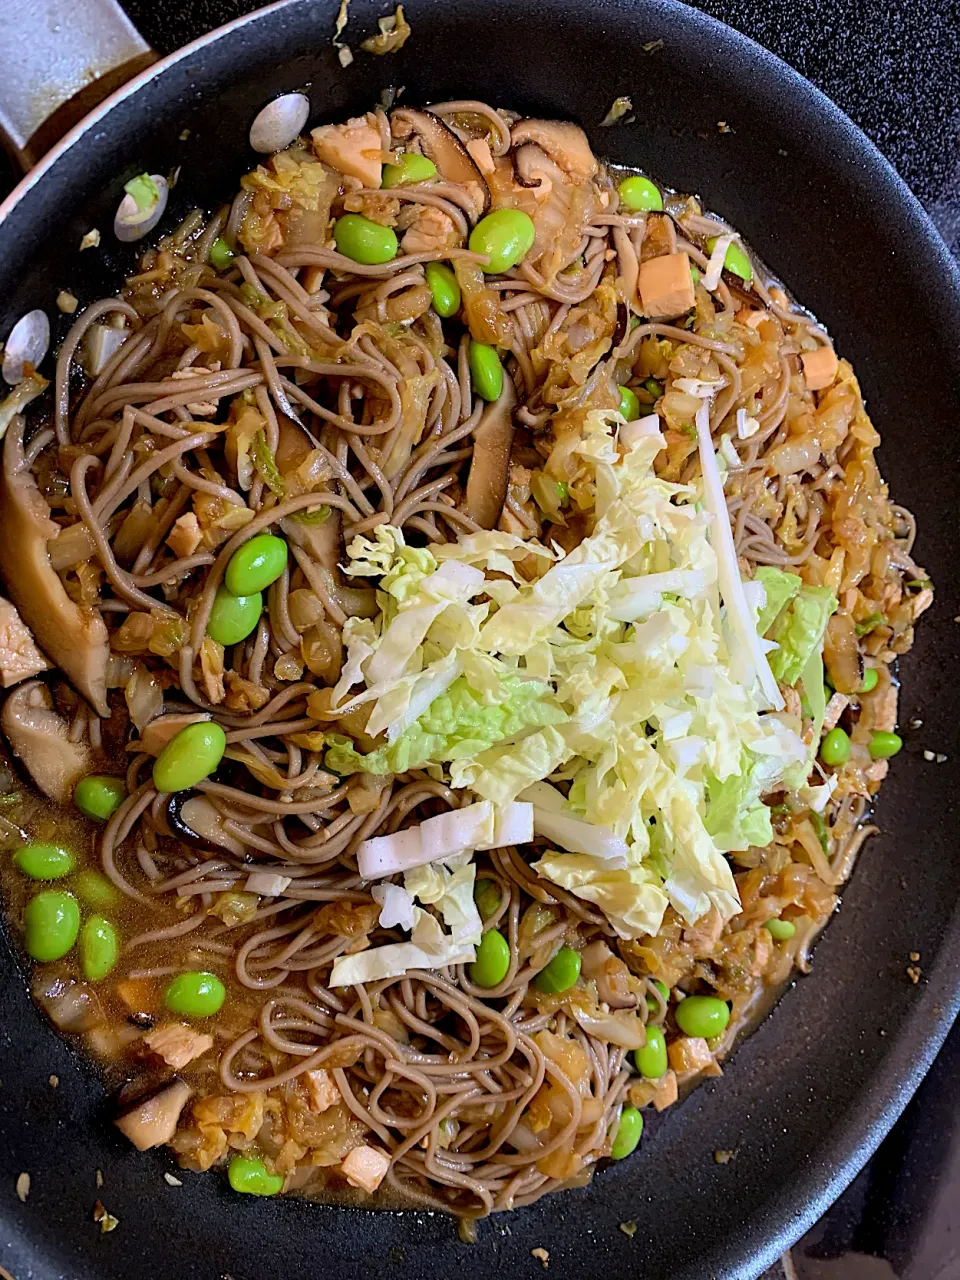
(869,624)
(705,1016)
(486,371)
(43,861)
(640,193)
(195,995)
(505,236)
(780,929)
(487,895)
(884,745)
(95,889)
(443,289)
(835,747)
(820,827)
(256,565)
(189,757)
(563,492)
(99,796)
(560,974)
(628,1133)
(493,960)
(629,404)
(734,260)
(652,1002)
(51,922)
(99,948)
(144,191)
(250,1176)
(870,678)
(221,255)
(266,464)
(653,388)
(364,241)
(232,618)
(651,1060)
(313,515)
(412,167)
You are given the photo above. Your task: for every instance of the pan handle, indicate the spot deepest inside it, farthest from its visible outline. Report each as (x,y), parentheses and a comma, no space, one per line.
(59,59)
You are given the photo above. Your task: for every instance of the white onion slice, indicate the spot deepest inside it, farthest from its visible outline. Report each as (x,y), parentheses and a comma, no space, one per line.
(28,343)
(132,223)
(280,121)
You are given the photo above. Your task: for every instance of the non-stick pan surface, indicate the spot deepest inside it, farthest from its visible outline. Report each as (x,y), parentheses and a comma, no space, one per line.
(805,1100)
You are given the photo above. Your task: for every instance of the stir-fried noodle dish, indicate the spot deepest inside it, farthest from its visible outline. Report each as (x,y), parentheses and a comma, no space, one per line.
(449,649)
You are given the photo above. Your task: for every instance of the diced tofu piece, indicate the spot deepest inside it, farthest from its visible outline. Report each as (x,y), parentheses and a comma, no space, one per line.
(666,286)
(353,148)
(820,367)
(185,536)
(431,230)
(480,153)
(752,317)
(322,1089)
(666,1091)
(835,709)
(365,1167)
(19,656)
(178,1044)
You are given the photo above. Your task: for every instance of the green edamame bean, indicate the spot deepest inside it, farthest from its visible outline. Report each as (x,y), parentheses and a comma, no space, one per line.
(411,167)
(870,678)
(95,889)
(640,193)
(486,371)
(705,1016)
(487,895)
(99,796)
(652,1003)
(651,1059)
(364,241)
(195,995)
(232,618)
(51,922)
(628,1133)
(629,404)
(189,757)
(734,260)
(99,948)
(505,236)
(41,860)
(221,255)
(443,288)
(250,1176)
(653,388)
(256,565)
(493,960)
(780,929)
(560,974)
(884,745)
(835,747)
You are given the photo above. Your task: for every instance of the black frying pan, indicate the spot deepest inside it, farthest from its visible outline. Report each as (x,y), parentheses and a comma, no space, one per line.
(803,1102)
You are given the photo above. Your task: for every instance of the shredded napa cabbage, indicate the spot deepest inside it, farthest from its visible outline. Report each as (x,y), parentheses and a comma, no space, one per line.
(623,670)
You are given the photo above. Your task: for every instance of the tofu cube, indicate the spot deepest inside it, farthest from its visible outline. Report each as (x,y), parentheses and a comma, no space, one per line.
(820,368)
(365,1167)
(322,1089)
(666,286)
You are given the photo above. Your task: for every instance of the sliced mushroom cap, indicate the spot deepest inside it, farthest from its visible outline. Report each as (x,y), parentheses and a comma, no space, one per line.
(153,1121)
(323,544)
(564,142)
(74,638)
(441,145)
(70,1005)
(197,821)
(610,974)
(534,168)
(490,464)
(40,738)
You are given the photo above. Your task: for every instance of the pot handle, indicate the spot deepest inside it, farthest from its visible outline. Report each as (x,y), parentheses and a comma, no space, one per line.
(59,59)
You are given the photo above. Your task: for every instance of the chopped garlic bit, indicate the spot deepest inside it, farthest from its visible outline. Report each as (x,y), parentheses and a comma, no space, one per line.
(107,1220)
(618,109)
(23,1187)
(171,1181)
(67,302)
(91,240)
